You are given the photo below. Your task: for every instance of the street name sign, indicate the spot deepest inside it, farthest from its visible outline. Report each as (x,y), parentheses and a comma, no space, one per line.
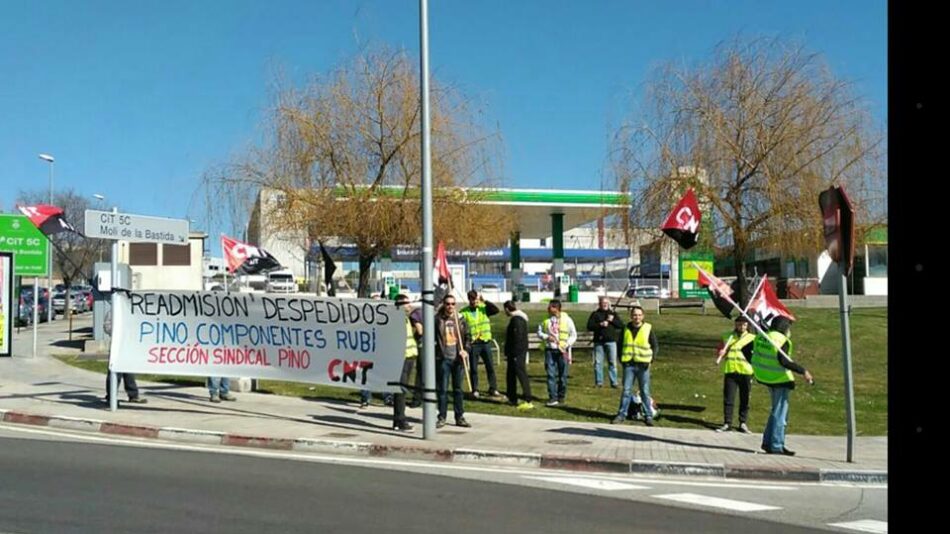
(136,228)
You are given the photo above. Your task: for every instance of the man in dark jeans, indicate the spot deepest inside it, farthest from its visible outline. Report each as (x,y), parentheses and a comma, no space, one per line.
(476,316)
(449,355)
(606,327)
(516,354)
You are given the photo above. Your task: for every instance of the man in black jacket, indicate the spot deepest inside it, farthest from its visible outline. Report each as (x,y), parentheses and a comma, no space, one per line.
(516,354)
(606,327)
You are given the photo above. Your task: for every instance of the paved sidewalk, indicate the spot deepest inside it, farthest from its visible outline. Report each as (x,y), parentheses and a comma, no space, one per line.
(44,391)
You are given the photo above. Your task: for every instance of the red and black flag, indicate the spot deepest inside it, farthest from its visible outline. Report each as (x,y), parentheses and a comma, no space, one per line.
(246,259)
(443,275)
(683,223)
(719,291)
(328,269)
(49,219)
(765,305)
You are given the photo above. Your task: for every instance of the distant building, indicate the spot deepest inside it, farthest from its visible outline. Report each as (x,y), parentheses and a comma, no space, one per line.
(163,266)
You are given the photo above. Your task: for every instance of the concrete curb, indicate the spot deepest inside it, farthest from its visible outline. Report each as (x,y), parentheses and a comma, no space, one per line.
(460,455)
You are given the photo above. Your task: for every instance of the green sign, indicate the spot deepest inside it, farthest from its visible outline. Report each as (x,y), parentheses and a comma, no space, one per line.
(19,236)
(689,275)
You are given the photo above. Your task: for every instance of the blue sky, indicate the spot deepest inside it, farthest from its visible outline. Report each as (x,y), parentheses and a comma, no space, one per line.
(137,99)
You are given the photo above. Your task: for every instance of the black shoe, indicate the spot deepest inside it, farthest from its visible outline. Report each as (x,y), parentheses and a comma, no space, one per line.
(405,427)
(415,404)
(138,400)
(440,422)
(462,423)
(784,451)
(649,421)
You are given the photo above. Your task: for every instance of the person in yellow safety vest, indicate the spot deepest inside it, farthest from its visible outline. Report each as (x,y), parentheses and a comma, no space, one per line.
(774,370)
(558,334)
(476,316)
(735,352)
(412,352)
(638,348)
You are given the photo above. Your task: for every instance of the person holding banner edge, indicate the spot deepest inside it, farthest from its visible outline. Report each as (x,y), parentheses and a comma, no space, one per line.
(412,352)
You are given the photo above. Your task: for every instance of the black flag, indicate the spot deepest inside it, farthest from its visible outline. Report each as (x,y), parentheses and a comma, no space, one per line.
(328,269)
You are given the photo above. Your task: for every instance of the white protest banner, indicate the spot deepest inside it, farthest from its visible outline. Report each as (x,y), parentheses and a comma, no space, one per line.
(358,343)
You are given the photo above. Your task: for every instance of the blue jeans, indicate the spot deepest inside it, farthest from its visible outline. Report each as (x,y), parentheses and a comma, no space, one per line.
(444,367)
(482,349)
(556,367)
(611,347)
(774,437)
(216,383)
(641,373)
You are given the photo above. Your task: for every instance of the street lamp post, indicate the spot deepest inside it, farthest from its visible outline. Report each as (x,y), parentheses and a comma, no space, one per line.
(49,280)
(101,199)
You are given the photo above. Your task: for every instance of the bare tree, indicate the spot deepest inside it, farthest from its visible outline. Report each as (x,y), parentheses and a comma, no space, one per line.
(344,155)
(73,255)
(758,131)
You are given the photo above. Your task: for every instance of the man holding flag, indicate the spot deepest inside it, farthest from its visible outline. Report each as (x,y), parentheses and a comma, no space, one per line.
(773,368)
(734,354)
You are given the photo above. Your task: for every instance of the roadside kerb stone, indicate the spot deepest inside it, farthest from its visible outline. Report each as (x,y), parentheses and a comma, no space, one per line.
(188,435)
(646,467)
(520,459)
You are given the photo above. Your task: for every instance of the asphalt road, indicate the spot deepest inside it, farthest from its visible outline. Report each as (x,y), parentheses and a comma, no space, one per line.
(48,485)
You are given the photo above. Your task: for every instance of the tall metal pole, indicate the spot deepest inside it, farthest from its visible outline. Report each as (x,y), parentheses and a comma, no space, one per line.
(36,303)
(113,379)
(428,288)
(846,341)
(49,246)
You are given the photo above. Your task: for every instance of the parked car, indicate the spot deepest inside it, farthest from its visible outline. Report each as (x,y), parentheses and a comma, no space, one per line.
(25,310)
(24,313)
(281,282)
(648,292)
(78,299)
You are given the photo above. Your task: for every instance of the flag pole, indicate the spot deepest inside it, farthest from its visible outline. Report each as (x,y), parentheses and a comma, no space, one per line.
(458,325)
(741,311)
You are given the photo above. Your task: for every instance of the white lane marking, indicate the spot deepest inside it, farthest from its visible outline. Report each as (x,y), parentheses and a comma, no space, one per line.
(864,525)
(598,484)
(263,453)
(717,502)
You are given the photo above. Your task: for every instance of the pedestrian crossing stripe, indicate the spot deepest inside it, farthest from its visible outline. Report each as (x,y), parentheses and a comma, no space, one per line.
(864,525)
(591,483)
(717,502)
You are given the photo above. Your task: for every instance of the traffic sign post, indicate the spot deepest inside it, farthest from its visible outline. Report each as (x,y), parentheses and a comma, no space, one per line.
(137,229)
(837,213)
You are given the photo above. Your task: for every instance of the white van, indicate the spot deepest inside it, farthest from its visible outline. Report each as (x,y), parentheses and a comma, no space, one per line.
(281,281)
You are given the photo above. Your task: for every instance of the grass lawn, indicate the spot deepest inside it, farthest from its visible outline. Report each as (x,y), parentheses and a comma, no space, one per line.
(686,382)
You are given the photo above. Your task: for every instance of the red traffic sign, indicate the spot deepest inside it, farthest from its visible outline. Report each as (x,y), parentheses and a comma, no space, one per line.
(837,215)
